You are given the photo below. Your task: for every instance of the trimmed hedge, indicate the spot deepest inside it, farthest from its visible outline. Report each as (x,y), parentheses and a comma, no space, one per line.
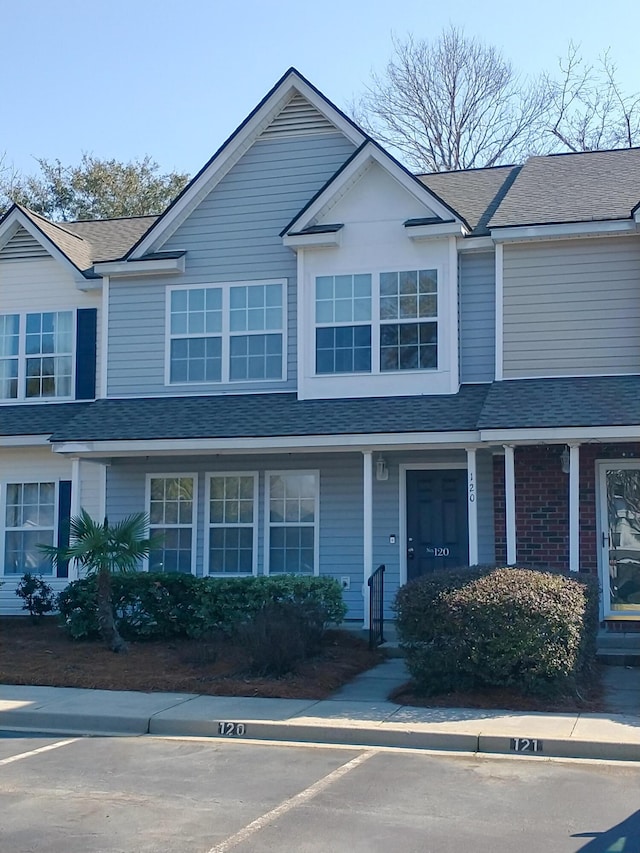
(531,630)
(160,606)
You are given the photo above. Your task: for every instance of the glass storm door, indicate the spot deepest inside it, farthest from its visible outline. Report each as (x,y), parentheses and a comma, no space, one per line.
(620,538)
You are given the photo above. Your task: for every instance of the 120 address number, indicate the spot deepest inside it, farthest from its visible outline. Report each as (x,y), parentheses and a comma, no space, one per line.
(228,729)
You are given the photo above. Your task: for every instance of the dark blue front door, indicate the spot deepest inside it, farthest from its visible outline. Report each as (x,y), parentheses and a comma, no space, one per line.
(437,521)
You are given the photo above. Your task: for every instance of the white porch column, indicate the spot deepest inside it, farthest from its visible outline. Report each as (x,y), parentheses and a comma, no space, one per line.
(510,502)
(75,507)
(367,528)
(472,504)
(574,507)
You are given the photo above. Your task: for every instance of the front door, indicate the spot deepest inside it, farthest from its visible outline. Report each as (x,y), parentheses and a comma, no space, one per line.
(437,520)
(620,537)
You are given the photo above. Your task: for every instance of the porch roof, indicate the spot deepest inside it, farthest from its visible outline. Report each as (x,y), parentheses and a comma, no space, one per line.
(37,418)
(586,401)
(269,415)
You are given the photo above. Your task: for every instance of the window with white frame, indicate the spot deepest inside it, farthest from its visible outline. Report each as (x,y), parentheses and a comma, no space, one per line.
(343,324)
(292,528)
(171,507)
(36,355)
(29,521)
(376,323)
(226,333)
(232,523)
(409,320)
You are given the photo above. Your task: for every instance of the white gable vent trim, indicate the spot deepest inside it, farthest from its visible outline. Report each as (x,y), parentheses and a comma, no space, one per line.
(298,118)
(22,245)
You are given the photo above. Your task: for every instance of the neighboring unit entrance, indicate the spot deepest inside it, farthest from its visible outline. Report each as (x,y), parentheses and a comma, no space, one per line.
(620,537)
(437,520)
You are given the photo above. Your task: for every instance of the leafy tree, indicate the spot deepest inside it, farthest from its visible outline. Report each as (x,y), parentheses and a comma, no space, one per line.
(453,103)
(94,189)
(589,109)
(101,549)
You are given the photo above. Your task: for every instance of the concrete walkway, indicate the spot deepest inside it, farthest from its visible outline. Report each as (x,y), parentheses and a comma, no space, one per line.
(358,714)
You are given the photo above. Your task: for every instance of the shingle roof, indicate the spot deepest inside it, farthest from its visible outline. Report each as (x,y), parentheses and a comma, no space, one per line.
(86,242)
(512,404)
(39,419)
(270,415)
(77,250)
(111,239)
(587,401)
(474,193)
(594,185)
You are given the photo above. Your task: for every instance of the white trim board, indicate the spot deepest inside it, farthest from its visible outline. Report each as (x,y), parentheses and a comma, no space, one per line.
(413,441)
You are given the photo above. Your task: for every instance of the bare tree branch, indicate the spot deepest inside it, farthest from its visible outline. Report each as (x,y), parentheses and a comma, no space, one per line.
(589,109)
(453,103)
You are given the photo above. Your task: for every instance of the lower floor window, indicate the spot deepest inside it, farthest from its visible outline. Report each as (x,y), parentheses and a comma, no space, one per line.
(171,507)
(30,510)
(232,516)
(292,522)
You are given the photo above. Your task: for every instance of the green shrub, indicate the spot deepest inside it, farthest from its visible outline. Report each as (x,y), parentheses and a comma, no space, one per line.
(160,606)
(527,629)
(37,595)
(281,635)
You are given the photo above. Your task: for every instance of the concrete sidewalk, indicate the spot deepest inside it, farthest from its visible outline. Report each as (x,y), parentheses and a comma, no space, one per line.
(358,714)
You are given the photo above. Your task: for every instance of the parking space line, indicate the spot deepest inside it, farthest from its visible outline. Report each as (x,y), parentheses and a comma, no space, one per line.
(40,749)
(291,803)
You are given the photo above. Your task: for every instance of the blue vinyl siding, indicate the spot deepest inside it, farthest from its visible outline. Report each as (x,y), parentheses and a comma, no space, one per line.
(233,235)
(477,317)
(341,506)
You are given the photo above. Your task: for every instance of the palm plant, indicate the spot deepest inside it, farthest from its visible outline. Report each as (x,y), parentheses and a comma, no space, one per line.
(102,549)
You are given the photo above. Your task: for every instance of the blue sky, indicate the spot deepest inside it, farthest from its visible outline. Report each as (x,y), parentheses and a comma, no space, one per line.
(124,78)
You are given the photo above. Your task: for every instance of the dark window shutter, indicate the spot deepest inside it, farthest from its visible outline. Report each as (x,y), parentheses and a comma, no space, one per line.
(86,331)
(64,515)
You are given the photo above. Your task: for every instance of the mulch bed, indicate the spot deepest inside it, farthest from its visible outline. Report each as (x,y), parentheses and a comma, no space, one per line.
(589,700)
(43,654)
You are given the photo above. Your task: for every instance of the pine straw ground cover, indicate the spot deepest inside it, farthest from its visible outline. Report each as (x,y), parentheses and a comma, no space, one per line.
(589,699)
(42,654)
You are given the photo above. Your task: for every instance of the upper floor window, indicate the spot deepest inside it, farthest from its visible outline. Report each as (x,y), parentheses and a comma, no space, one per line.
(377,323)
(409,320)
(36,355)
(226,333)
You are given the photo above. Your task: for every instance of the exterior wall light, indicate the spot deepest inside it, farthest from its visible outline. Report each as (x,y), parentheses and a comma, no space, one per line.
(565,458)
(382,472)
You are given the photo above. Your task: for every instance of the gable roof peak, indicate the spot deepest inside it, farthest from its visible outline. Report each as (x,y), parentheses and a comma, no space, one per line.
(237,144)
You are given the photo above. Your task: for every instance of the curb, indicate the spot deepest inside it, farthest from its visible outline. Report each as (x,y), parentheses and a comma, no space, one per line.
(353,734)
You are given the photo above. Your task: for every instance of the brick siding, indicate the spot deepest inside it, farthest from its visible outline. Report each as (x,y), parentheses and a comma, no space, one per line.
(542,504)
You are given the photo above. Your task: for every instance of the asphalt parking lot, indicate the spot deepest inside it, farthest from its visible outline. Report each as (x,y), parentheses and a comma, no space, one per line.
(145,795)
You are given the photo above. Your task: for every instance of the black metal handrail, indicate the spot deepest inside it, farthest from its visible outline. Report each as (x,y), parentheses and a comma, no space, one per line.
(376,608)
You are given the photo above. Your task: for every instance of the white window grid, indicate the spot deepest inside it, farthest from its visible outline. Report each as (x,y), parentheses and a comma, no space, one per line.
(376,319)
(192,525)
(209,525)
(226,333)
(23,356)
(35,528)
(269,525)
